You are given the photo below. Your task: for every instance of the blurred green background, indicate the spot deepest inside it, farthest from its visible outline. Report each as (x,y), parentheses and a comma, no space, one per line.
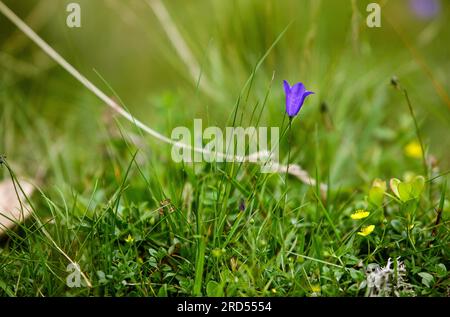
(327,46)
(238,232)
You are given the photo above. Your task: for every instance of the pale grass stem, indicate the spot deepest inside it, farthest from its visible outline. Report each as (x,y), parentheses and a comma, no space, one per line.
(276,167)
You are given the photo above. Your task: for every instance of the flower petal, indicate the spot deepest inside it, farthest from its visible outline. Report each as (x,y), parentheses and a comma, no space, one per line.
(365,231)
(294,99)
(305,94)
(295,96)
(298,89)
(287,88)
(359,214)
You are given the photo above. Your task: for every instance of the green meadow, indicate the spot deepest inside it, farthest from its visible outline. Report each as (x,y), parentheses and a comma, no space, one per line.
(366,214)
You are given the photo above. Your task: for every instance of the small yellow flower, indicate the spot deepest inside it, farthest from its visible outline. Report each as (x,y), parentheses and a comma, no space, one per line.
(315,288)
(413,149)
(359,214)
(129,239)
(217,252)
(274,290)
(365,231)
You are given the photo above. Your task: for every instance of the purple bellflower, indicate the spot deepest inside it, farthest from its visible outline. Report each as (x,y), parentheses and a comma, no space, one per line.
(425,9)
(295,96)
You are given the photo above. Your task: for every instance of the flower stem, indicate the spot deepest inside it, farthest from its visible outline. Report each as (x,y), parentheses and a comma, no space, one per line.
(419,136)
(289,157)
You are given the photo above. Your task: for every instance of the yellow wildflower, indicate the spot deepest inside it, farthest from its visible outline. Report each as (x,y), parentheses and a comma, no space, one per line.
(359,214)
(365,231)
(413,149)
(217,252)
(315,288)
(129,239)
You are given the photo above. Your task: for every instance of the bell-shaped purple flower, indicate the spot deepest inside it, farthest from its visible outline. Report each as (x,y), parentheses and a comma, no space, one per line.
(426,9)
(295,96)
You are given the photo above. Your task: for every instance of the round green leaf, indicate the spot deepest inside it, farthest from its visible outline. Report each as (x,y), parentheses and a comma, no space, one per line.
(427,279)
(405,191)
(441,270)
(376,196)
(417,185)
(394,186)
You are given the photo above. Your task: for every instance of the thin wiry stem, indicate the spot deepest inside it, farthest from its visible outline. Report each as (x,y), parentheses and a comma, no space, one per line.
(419,136)
(100,94)
(288,158)
(253,158)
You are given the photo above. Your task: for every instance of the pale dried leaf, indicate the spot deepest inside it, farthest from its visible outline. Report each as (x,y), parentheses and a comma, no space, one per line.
(12,210)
